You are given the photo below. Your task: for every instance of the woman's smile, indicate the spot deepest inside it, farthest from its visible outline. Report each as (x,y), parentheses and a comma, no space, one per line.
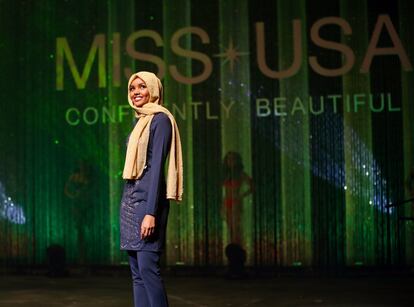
(137,98)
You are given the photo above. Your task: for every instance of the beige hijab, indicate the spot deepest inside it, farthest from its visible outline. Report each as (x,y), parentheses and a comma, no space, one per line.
(136,156)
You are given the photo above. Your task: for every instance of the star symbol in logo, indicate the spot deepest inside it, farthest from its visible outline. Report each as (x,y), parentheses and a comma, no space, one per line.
(231,54)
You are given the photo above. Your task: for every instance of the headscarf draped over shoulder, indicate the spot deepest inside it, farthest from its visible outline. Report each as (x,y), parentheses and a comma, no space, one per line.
(136,155)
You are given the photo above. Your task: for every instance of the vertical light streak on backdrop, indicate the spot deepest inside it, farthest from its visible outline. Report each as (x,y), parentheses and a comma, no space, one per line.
(295,207)
(407,37)
(31,130)
(180,231)
(37,158)
(235,86)
(16,235)
(120,20)
(85,218)
(359,190)
(5,51)
(15,243)
(265,140)
(326,150)
(38,129)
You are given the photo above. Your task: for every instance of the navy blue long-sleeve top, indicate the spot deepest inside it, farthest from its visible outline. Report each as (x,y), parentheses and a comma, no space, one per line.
(147,194)
(151,185)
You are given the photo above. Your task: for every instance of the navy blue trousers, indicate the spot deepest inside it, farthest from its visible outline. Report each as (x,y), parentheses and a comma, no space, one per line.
(147,283)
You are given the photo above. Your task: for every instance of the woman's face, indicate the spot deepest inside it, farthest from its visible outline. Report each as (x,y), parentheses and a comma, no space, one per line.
(231,160)
(138,92)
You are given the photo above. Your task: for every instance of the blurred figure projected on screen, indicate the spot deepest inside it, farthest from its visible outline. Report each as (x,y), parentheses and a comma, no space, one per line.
(237,185)
(78,190)
(9,210)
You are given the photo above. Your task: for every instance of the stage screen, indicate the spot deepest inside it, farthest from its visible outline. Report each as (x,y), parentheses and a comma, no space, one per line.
(296,119)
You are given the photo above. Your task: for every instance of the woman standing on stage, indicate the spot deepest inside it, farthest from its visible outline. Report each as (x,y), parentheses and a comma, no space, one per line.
(237,186)
(145,200)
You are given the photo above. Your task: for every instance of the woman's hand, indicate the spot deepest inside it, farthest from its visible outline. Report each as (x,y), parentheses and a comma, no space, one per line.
(147,226)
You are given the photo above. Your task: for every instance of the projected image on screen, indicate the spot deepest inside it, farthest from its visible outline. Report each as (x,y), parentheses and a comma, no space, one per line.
(9,210)
(296,123)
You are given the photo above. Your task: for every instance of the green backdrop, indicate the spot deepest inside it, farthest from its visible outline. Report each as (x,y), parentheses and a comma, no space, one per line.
(314,98)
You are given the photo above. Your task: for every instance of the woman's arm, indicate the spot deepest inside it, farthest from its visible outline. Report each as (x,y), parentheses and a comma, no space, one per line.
(160,148)
(249,182)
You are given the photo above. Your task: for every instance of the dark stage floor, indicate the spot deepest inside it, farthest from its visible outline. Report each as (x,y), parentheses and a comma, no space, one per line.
(108,291)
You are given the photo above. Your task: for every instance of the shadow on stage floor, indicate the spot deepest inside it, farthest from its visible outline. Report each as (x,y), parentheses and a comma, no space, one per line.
(104,290)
